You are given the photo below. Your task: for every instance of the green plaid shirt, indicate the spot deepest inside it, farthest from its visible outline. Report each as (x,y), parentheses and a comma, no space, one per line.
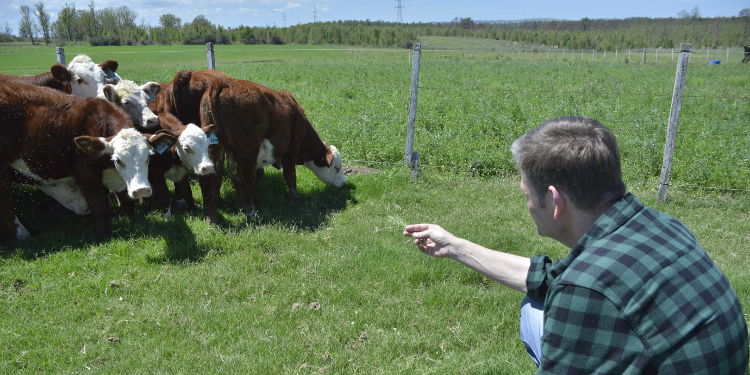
(637,294)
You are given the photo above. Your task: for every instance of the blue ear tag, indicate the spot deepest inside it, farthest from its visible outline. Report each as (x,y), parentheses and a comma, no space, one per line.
(212,139)
(161,147)
(151,97)
(110,74)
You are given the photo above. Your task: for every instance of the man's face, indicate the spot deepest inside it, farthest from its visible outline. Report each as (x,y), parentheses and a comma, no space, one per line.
(541,212)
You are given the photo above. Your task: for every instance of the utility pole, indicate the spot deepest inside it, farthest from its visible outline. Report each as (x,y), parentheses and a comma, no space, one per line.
(399,11)
(315,13)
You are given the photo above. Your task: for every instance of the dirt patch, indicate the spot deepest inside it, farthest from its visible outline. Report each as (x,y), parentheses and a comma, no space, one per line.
(353,170)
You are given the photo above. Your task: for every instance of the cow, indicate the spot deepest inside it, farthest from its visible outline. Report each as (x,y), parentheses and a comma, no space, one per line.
(57,78)
(134,99)
(747,55)
(89,78)
(49,136)
(189,155)
(257,126)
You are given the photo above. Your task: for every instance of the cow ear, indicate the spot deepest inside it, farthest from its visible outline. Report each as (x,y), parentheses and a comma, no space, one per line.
(151,89)
(93,146)
(109,65)
(208,129)
(329,158)
(60,73)
(111,94)
(162,136)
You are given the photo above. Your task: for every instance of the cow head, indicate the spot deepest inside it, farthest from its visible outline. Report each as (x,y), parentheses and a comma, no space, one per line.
(192,148)
(133,99)
(129,151)
(328,167)
(88,78)
(60,73)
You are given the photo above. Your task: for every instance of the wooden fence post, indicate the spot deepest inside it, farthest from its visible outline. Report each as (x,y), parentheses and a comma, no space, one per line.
(414,167)
(674,119)
(417,50)
(210,55)
(643,60)
(60,52)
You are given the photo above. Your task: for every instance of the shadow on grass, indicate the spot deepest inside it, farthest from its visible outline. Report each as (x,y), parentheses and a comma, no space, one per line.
(56,229)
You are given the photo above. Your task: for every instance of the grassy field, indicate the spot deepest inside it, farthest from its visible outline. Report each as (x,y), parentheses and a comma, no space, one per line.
(328,285)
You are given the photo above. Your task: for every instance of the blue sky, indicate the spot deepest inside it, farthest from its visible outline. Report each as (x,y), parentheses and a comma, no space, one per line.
(290,12)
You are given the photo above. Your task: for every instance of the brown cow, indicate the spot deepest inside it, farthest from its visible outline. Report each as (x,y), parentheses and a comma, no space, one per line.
(49,136)
(256,125)
(57,78)
(747,55)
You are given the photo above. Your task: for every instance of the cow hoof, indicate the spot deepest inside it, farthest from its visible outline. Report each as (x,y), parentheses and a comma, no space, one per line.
(168,214)
(180,204)
(251,215)
(213,220)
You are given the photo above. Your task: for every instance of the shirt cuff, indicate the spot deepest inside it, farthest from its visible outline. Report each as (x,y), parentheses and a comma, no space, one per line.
(539,278)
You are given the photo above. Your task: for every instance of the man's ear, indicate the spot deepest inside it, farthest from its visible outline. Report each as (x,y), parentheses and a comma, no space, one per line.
(559,199)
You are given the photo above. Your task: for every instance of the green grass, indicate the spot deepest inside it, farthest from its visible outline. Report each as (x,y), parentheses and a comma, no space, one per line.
(328,284)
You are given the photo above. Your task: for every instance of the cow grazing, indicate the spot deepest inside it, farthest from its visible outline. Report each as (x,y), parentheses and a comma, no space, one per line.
(747,55)
(57,78)
(134,99)
(256,125)
(89,78)
(50,136)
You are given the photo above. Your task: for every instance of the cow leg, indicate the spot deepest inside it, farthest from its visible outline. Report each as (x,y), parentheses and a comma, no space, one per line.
(127,204)
(97,198)
(183,192)
(9,225)
(246,172)
(159,190)
(210,188)
(290,177)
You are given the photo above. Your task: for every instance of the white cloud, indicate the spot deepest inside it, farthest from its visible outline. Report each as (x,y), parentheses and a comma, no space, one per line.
(293,5)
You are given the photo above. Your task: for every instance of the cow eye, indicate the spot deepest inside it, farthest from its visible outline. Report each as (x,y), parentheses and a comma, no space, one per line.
(79,80)
(120,163)
(188,149)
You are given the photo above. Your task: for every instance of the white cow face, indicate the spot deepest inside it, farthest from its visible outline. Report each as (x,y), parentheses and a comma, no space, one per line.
(332,171)
(129,151)
(133,99)
(192,148)
(88,77)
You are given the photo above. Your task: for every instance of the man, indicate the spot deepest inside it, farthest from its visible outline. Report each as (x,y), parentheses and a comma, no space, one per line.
(636,294)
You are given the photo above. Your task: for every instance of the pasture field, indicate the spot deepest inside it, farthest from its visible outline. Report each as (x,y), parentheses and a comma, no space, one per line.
(328,285)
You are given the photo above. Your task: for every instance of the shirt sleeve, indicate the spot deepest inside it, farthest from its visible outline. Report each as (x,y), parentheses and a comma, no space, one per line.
(539,278)
(584,333)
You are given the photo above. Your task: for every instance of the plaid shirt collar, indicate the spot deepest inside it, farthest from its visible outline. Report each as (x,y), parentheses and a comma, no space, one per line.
(610,221)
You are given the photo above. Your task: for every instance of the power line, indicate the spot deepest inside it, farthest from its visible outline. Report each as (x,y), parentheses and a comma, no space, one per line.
(399,11)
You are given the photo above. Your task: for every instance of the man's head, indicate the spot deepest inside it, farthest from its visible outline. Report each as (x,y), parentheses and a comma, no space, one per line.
(576,155)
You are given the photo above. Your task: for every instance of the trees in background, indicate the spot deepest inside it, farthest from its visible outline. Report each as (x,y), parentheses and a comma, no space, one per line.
(26,27)
(116,26)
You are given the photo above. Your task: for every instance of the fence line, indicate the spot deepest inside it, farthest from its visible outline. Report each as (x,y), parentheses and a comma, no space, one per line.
(412,115)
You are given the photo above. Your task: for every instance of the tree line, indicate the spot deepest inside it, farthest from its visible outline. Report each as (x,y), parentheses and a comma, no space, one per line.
(117,26)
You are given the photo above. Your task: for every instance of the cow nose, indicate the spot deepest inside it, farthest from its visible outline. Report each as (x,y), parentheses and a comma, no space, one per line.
(143,192)
(152,122)
(206,169)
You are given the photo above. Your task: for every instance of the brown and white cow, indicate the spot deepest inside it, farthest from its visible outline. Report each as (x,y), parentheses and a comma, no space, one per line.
(89,78)
(189,155)
(57,78)
(256,125)
(49,136)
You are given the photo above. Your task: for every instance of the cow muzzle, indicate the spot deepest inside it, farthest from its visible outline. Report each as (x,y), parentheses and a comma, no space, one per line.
(141,192)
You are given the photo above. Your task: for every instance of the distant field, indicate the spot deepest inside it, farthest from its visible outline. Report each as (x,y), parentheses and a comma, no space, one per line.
(328,285)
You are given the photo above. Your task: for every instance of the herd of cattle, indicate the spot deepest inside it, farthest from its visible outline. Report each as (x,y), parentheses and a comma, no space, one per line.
(77,132)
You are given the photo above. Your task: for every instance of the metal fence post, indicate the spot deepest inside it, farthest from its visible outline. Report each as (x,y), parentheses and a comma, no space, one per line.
(417,50)
(60,52)
(210,55)
(674,119)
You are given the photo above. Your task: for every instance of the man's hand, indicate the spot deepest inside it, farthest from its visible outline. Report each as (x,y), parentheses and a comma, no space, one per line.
(432,239)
